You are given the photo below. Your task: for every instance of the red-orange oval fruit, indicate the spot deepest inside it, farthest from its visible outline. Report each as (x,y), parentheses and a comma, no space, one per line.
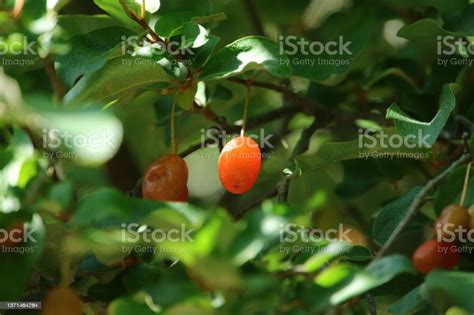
(435,255)
(239,165)
(165,179)
(61,301)
(183,197)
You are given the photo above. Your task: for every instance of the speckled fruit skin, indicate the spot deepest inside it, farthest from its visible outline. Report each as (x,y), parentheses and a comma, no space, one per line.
(435,255)
(62,301)
(454,215)
(239,165)
(166,179)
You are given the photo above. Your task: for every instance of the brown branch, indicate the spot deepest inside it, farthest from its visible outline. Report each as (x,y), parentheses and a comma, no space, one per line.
(262,119)
(59,89)
(303,102)
(143,23)
(301,147)
(18,9)
(254,17)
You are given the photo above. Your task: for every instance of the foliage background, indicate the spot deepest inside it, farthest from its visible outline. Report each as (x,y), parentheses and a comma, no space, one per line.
(76,81)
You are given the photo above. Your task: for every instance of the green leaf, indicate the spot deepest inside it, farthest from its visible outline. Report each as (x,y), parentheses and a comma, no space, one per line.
(450,189)
(389,218)
(16,267)
(245,54)
(194,35)
(202,54)
(81,24)
(448,288)
(461,23)
(327,254)
(333,152)
(170,23)
(95,47)
(262,230)
(346,281)
(115,10)
(130,305)
(356,30)
(185,99)
(411,303)
(118,76)
(408,126)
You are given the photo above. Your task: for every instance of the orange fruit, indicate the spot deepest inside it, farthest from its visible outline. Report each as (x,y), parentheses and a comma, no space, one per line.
(239,165)
(435,255)
(61,301)
(166,179)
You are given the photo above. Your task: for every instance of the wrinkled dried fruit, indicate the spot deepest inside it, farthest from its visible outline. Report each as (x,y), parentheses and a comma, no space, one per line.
(166,179)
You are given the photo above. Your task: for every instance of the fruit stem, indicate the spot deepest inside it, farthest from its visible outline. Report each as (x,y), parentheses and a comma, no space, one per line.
(244,120)
(464,188)
(143,8)
(173,142)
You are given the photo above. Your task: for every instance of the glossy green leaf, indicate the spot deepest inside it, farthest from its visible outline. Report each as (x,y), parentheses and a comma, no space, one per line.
(425,133)
(391,215)
(245,54)
(95,47)
(118,76)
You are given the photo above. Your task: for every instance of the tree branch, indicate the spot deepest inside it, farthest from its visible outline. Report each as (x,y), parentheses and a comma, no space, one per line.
(303,102)
(143,23)
(417,203)
(59,89)
(301,147)
(254,17)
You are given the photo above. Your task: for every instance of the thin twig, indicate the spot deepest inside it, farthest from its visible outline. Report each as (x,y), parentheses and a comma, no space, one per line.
(464,187)
(59,89)
(143,23)
(417,203)
(371,302)
(173,140)
(301,147)
(246,107)
(18,9)
(302,101)
(254,17)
